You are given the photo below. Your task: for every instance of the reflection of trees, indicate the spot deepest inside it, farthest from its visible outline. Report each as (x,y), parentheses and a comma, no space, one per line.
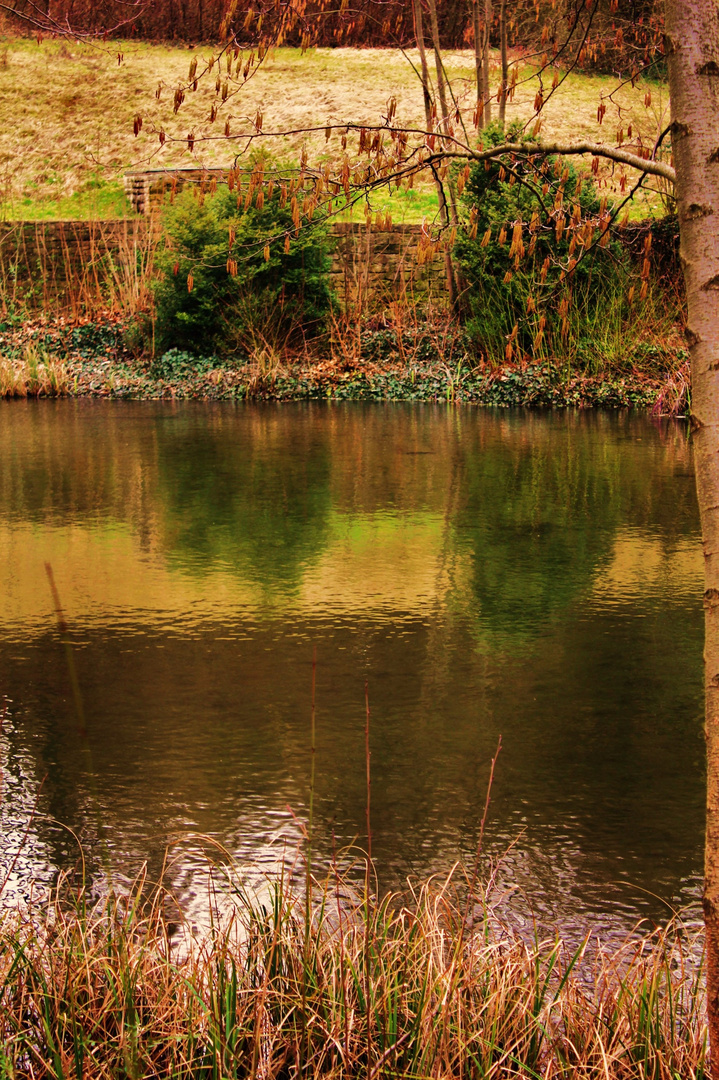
(245,492)
(245,488)
(539,501)
(597,707)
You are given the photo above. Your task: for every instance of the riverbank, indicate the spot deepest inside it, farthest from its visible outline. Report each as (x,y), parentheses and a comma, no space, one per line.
(338,986)
(46,358)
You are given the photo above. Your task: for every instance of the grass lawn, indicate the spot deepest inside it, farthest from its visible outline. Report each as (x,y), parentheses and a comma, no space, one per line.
(67,111)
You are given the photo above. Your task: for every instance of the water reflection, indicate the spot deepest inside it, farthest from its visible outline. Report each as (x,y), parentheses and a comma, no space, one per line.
(533,575)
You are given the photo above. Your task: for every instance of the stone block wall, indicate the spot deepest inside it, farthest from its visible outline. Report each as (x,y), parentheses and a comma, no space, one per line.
(368,264)
(71,265)
(80,265)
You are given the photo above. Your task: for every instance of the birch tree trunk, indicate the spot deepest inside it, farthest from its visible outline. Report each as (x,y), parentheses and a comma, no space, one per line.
(692,50)
(478,58)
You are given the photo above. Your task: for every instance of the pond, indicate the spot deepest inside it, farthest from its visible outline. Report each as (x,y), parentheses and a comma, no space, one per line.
(533,576)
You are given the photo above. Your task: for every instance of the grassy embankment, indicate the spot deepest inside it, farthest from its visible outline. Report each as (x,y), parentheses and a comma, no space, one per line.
(66,140)
(67,111)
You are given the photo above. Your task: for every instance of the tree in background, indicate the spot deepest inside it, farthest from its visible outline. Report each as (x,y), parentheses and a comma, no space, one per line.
(528,24)
(88,21)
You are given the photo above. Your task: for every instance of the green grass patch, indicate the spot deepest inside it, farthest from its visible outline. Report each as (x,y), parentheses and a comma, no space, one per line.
(406,207)
(105,201)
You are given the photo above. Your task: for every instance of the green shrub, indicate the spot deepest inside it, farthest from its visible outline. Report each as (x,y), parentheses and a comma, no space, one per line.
(231,300)
(503,289)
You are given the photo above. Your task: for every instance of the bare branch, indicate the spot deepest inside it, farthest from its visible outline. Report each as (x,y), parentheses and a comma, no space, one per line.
(612,153)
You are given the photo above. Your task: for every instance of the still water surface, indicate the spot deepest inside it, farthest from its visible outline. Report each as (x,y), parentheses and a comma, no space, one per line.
(521,574)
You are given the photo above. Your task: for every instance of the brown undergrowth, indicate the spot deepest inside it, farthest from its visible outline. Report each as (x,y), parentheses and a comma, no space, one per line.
(78,269)
(352,987)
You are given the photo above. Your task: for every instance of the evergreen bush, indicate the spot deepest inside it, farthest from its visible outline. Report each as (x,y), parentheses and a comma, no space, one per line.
(508,292)
(228,284)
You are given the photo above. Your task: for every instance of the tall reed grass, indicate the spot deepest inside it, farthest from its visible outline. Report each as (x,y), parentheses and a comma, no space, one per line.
(603,336)
(363,987)
(34,374)
(78,269)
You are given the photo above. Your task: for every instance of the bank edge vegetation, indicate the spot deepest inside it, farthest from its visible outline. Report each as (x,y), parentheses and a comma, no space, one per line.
(340,986)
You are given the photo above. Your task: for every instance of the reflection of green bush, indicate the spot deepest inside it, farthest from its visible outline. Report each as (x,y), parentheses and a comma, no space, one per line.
(536,521)
(228,312)
(238,497)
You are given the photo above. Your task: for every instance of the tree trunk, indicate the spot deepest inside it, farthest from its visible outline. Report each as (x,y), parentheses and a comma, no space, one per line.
(443,101)
(429,118)
(505,63)
(441,82)
(692,50)
(478,61)
(485,62)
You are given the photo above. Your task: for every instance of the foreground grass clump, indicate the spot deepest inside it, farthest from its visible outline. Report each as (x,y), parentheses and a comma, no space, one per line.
(33,374)
(370,989)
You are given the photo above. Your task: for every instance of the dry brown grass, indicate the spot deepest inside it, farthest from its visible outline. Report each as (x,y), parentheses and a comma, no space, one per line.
(371,989)
(67,110)
(33,374)
(96,270)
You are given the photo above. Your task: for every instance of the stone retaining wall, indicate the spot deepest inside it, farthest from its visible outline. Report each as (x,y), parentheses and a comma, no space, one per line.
(382,265)
(71,264)
(75,264)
